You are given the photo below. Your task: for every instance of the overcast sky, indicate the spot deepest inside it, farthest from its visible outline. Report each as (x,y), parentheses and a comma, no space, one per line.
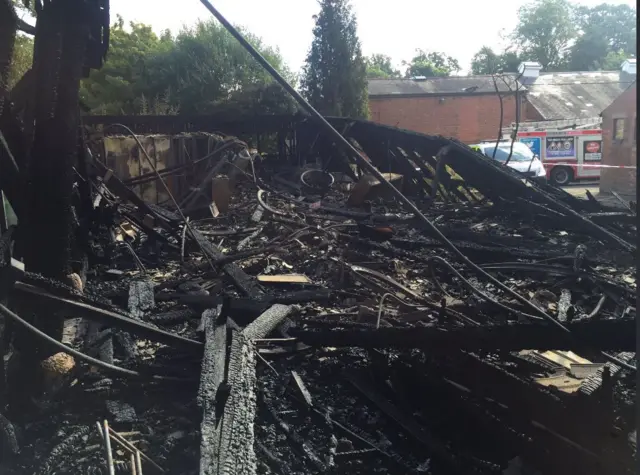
(392,27)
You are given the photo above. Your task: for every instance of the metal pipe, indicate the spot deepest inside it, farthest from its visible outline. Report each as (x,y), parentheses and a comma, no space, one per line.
(107,448)
(365,164)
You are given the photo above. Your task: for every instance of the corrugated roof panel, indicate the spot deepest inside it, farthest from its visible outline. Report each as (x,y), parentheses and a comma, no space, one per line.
(441,85)
(574,95)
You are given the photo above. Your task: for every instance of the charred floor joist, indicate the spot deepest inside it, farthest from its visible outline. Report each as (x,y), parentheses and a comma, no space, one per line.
(228,391)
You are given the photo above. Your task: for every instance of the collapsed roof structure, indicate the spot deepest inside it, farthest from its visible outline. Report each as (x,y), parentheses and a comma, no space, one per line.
(423,310)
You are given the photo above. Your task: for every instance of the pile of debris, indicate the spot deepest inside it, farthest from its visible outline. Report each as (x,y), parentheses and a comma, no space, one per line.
(252,315)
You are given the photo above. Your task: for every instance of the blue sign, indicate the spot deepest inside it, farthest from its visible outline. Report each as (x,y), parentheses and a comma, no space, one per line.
(561,147)
(533,143)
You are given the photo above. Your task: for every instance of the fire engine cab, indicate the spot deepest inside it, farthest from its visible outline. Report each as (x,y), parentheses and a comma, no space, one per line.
(568,154)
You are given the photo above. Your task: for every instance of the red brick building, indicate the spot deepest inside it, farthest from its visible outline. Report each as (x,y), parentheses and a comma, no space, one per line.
(468,107)
(619,132)
(464,107)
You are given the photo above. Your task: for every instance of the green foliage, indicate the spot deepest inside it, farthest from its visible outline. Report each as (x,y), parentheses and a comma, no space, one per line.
(379,67)
(22,58)
(206,66)
(487,61)
(431,64)
(117,87)
(564,37)
(612,61)
(608,34)
(334,76)
(203,70)
(545,32)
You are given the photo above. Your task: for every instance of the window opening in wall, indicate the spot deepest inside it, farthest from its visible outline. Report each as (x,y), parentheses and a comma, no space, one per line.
(618,129)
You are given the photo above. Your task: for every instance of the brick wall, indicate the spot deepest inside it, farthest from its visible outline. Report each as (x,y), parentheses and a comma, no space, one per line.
(619,152)
(530,112)
(467,118)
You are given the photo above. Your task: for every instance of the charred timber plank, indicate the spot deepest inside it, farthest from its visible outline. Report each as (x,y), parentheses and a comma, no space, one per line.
(530,405)
(246,310)
(118,188)
(268,321)
(11,149)
(96,314)
(245,283)
(211,377)
(593,383)
(234,434)
(141,297)
(606,335)
(564,303)
(613,217)
(227,445)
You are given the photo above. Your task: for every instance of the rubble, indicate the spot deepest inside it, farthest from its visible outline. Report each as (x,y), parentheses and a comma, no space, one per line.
(329,336)
(381,302)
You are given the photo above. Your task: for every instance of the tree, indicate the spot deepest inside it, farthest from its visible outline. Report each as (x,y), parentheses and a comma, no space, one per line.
(487,61)
(119,85)
(431,64)
(612,61)
(379,67)
(22,49)
(22,58)
(545,32)
(197,72)
(206,66)
(334,76)
(607,31)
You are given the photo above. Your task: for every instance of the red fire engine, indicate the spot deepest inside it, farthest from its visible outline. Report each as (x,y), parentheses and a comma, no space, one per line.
(567,155)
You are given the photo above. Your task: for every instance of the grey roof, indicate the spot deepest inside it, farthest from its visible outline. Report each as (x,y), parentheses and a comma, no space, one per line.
(574,95)
(439,86)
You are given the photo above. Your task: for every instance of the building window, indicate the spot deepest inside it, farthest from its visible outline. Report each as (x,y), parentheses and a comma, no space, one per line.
(618,129)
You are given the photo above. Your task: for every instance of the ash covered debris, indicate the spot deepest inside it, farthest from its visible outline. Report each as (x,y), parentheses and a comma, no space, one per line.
(289,312)
(295,333)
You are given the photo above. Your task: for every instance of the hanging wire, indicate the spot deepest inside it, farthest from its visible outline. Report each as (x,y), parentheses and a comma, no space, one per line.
(166,189)
(495,85)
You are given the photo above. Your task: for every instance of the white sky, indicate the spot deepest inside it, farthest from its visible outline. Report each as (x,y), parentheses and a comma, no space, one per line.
(392,27)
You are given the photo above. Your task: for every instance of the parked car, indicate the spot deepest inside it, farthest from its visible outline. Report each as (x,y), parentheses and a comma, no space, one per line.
(522,159)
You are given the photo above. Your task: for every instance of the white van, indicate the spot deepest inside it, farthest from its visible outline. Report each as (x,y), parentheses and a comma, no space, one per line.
(522,158)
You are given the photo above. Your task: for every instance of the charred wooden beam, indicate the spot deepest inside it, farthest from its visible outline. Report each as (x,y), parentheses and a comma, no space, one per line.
(90,312)
(245,283)
(229,401)
(614,334)
(212,377)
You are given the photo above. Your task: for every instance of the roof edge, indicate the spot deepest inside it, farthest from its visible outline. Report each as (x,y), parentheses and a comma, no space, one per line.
(443,94)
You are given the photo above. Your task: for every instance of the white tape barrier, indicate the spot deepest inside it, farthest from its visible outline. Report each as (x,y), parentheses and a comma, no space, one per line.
(584,165)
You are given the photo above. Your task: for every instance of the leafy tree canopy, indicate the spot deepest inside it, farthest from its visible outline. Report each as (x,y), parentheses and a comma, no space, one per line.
(487,61)
(379,67)
(545,31)
(117,87)
(22,58)
(199,71)
(431,64)
(334,76)
(607,33)
(564,37)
